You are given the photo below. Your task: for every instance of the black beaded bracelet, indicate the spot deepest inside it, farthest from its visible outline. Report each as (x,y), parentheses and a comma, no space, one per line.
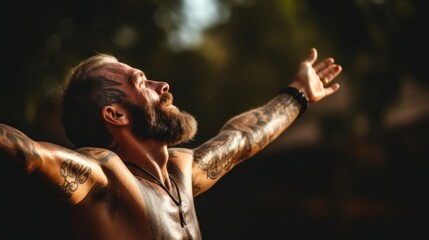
(299,97)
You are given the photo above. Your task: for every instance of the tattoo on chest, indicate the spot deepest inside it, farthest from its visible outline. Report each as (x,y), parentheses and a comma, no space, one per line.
(73,175)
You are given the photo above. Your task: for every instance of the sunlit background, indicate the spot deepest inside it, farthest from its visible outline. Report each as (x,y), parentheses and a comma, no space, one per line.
(353,167)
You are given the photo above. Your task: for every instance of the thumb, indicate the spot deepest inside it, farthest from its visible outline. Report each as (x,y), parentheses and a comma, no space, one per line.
(312,56)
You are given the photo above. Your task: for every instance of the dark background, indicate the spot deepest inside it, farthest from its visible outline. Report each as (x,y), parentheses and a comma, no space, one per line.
(353,167)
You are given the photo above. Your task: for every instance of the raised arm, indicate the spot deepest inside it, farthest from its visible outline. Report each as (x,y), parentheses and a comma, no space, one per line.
(72,174)
(249,132)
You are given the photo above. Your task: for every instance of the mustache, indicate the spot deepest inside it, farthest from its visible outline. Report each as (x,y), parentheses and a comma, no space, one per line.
(166,98)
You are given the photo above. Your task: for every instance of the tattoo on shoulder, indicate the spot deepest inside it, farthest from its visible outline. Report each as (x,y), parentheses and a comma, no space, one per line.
(101,155)
(73,174)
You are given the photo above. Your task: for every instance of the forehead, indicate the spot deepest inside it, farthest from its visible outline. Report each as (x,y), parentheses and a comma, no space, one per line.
(118,71)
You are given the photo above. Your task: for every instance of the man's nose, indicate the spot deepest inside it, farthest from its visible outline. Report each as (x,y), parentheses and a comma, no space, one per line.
(160,87)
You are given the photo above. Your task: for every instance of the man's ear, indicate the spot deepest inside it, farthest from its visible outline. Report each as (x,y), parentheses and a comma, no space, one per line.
(115,115)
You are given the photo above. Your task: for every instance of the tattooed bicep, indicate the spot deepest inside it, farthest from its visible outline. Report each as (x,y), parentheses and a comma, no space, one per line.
(72,175)
(77,176)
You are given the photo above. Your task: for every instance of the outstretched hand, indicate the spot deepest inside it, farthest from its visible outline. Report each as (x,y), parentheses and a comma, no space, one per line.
(315,81)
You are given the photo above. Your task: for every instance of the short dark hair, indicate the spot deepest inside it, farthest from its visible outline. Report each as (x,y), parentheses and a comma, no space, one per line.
(84,95)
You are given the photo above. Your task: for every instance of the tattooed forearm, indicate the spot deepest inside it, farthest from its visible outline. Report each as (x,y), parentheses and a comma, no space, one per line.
(15,144)
(261,126)
(216,156)
(245,135)
(73,175)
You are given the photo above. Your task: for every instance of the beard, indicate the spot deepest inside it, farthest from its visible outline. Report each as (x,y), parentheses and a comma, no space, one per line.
(163,122)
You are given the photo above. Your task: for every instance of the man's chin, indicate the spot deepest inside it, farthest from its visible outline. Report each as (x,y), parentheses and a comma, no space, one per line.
(166,123)
(170,109)
(188,131)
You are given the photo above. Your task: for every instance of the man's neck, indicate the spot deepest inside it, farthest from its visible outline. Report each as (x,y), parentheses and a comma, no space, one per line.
(149,154)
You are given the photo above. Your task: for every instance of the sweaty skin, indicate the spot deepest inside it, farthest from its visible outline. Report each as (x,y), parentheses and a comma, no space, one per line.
(114,202)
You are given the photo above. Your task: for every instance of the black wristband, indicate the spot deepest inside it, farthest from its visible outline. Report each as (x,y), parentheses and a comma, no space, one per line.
(299,97)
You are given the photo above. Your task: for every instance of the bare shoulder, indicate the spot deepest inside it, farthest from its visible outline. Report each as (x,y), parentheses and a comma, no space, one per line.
(182,158)
(112,174)
(180,154)
(107,161)
(100,155)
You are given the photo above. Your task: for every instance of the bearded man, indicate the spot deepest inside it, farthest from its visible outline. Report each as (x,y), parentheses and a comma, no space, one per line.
(125,179)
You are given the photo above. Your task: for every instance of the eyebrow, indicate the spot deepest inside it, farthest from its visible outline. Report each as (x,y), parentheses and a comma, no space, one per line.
(136,73)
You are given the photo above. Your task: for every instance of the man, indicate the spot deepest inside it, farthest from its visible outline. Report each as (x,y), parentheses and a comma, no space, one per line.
(124,179)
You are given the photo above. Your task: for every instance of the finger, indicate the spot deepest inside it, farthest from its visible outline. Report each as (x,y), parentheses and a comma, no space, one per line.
(330,73)
(332,89)
(334,71)
(312,56)
(324,64)
(330,70)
